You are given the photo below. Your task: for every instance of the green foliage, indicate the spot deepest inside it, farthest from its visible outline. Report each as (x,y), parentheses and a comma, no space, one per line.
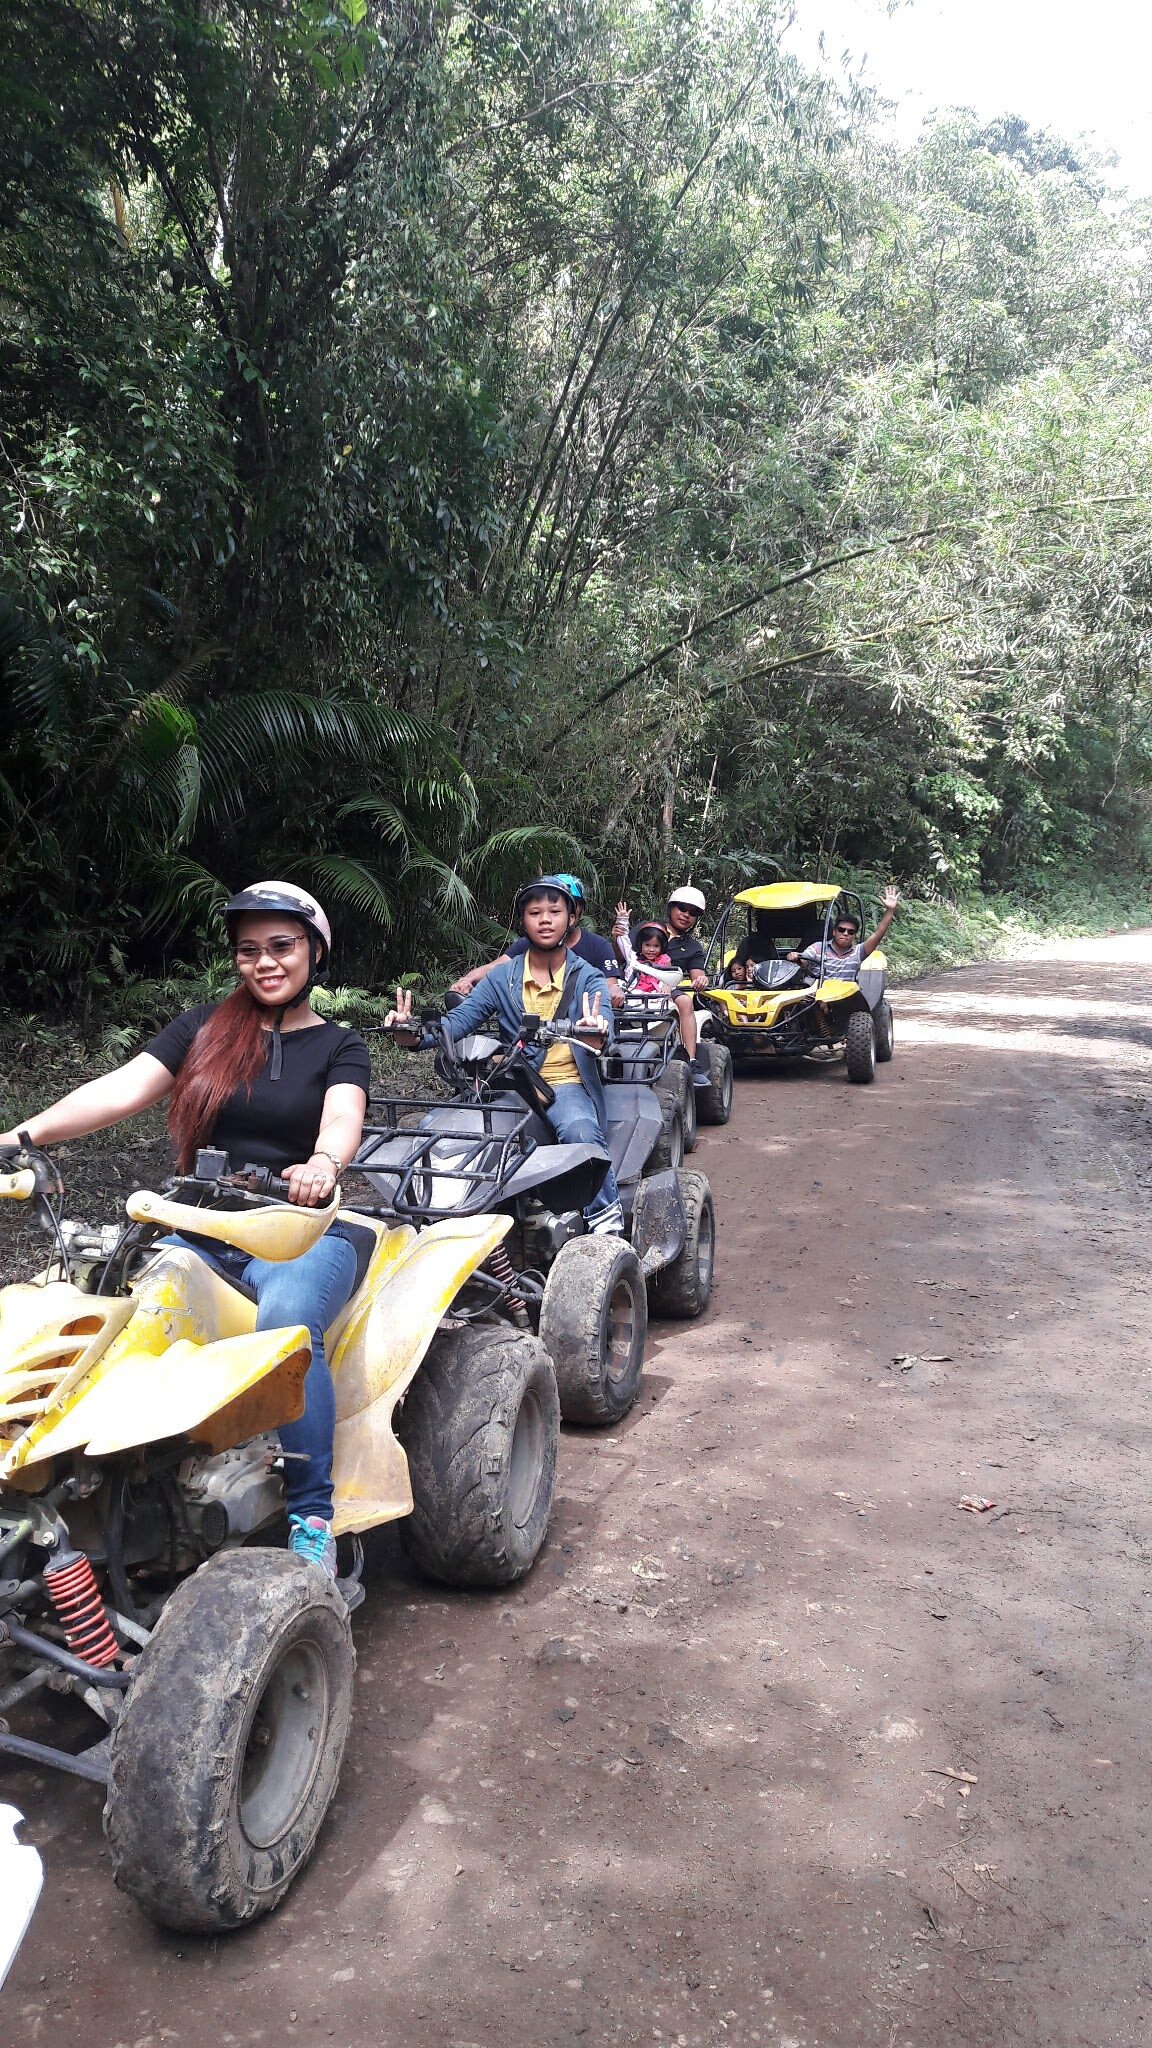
(438,444)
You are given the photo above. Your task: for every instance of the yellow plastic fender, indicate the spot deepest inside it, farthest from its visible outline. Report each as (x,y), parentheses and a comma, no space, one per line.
(411,1284)
(214,1394)
(756,1006)
(284,1231)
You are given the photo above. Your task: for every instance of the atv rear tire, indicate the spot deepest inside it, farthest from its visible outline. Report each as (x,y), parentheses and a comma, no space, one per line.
(481,1426)
(675,1087)
(225,1758)
(594,1320)
(683,1289)
(714,1103)
(885,1029)
(860,1046)
(668,1151)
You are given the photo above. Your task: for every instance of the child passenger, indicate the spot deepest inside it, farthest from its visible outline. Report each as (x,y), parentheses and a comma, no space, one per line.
(650,970)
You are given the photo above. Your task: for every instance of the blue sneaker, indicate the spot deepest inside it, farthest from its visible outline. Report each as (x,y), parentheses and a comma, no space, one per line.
(312,1539)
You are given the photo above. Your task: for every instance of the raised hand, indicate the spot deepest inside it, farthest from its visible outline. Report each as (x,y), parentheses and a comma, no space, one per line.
(591,1022)
(891,897)
(623,917)
(400,1019)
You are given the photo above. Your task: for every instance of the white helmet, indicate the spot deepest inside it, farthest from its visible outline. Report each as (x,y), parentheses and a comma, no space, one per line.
(282,896)
(688,899)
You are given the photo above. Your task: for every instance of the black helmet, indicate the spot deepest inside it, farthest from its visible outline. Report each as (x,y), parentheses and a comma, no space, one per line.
(547,885)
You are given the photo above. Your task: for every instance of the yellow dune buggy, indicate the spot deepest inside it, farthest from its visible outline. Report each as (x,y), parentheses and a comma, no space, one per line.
(786,1010)
(139,1407)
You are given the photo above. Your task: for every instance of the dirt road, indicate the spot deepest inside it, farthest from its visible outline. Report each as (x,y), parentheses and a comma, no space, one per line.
(777,1744)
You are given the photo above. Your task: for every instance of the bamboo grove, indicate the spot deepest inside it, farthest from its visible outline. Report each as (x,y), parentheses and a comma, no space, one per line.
(437,440)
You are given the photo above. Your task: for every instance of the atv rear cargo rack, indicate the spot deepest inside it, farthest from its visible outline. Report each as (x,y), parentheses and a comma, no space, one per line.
(642,1028)
(449,1169)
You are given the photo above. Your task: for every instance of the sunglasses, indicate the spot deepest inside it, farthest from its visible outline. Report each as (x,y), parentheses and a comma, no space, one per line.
(850,929)
(279,949)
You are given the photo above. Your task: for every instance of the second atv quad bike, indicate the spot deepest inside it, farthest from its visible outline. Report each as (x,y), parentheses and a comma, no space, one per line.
(787,1011)
(647,1048)
(138,1454)
(491,1150)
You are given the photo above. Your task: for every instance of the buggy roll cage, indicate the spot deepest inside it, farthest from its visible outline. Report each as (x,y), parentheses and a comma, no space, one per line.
(790,922)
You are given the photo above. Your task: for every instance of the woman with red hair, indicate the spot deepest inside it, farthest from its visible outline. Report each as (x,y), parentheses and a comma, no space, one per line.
(263,1078)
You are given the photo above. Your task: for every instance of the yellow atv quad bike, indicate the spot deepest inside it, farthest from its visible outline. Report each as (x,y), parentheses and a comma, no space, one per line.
(788,1011)
(138,1454)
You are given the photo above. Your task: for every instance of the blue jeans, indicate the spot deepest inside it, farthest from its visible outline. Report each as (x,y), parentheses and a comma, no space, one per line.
(573,1118)
(310,1290)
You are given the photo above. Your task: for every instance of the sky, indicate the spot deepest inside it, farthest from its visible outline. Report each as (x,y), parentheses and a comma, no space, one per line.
(1078,69)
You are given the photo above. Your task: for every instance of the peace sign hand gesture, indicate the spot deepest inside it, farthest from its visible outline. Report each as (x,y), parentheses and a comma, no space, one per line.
(400,1019)
(591,1022)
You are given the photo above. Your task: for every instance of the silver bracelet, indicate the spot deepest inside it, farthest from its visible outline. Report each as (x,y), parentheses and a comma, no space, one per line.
(319,1153)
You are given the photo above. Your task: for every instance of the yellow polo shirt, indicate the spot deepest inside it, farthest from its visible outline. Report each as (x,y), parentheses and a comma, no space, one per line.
(558,1065)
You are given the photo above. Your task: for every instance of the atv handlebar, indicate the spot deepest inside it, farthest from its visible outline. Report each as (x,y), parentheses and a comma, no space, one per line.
(25,1171)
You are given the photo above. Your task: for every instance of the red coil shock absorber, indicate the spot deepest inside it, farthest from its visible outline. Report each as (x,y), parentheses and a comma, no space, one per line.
(72,1589)
(501,1268)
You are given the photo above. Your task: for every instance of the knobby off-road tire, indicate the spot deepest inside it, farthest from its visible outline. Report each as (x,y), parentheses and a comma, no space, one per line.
(481,1427)
(594,1320)
(860,1047)
(683,1288)
(226,1755)
(674,1090)
(714,1103)
(885,1029)
(669,1147)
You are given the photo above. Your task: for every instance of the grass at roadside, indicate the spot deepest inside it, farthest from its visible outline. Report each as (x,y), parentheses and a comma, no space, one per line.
(1007,925)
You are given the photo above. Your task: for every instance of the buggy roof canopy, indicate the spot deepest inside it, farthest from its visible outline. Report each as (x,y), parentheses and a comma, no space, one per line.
(788,895)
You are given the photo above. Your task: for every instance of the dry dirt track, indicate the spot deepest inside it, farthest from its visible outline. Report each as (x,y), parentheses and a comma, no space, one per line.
(690,1783)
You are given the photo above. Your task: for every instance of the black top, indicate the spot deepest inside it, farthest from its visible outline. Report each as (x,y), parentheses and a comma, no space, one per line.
(685,952)
(277,1123)
(589,946)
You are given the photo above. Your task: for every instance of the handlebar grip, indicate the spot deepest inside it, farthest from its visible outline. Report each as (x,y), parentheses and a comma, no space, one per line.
(19,1186)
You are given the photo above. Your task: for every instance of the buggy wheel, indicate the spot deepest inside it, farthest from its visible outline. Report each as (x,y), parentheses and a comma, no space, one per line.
(675,1088)
(684,1287)
(481,1427)
(860,1046)
(225,1758)
(669,1147)
(714,1103)
(885,1029)
(594,1320)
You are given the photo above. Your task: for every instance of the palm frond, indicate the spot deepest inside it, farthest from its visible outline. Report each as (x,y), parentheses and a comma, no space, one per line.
(545,840)
(452,896)
(394,826)
(183,890)
(260,737)
(351,883)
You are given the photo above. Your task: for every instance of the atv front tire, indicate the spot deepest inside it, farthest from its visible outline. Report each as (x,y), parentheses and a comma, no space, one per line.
(860,1047)
(675,1089)
(714,1103)
(594,1320)
(683,1289)
(225,1758)
(481,1427)
(885,1029)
